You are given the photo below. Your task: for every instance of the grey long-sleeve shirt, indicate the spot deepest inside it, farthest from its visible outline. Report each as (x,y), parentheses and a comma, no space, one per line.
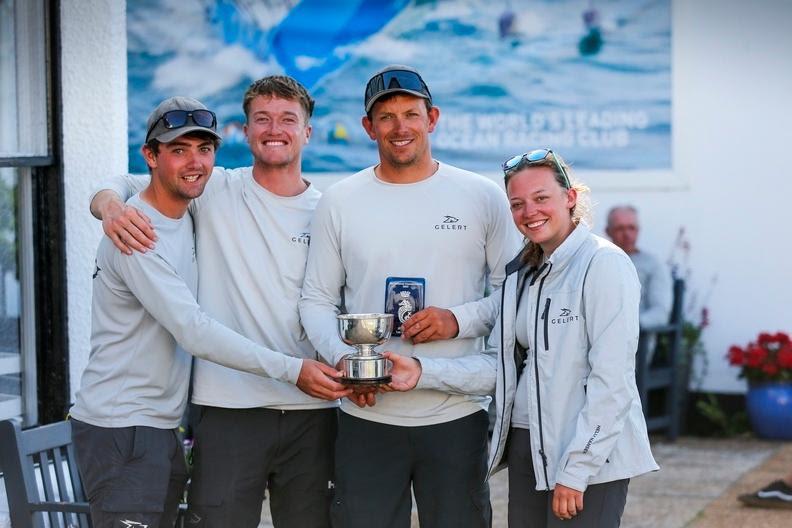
(453,231)
(252,248)
(656,289)
(142,305)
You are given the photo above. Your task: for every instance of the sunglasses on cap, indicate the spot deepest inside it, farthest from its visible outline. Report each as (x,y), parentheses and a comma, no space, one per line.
(178,118)
(393,81)
(523,160)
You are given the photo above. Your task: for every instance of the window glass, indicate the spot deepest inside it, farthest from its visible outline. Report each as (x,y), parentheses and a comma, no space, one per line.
(23,83)
(10,298)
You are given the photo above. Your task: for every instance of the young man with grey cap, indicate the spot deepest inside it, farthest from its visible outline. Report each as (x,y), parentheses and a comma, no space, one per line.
(134,388)
(431,235)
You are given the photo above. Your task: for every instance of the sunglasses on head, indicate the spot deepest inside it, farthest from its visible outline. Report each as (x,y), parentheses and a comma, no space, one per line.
(404,79)
(522,160)
(178,118)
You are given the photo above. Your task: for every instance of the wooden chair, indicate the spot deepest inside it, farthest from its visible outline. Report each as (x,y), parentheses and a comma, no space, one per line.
(41,477)
(661,375)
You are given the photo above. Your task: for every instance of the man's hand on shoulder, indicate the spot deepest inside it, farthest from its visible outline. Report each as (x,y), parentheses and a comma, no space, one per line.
(129,228)
(317,379)
(430,324)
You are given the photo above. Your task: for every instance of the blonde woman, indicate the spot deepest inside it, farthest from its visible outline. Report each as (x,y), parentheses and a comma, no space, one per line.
(569,422)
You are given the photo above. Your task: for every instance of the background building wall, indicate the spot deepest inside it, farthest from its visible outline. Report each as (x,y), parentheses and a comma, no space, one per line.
(93,91)
(732,76)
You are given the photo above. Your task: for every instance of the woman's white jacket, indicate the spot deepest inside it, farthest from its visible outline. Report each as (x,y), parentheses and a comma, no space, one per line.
(585,414)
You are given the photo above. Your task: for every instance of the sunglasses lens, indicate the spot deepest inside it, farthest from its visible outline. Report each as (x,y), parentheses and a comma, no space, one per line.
(537,155)
(175,118)
(203,118)
(510,163)
(402,79)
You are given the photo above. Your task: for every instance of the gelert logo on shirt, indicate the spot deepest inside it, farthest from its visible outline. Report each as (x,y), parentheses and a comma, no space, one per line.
(302,238)
(133,524)
(450,223)
(566,316)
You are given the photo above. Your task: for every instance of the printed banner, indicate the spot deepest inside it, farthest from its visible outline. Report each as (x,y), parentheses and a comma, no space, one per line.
(592,80)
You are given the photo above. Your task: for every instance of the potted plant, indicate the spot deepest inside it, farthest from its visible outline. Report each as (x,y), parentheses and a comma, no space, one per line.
(767,366)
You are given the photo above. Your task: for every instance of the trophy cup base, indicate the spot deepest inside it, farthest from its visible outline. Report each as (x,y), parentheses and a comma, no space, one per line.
(365,370)
(366,381)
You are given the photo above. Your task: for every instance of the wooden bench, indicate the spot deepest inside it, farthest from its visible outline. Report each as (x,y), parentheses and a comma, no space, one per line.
(661,374)
(41,477)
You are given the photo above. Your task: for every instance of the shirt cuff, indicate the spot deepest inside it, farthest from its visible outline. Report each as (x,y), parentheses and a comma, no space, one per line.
(431,373)
(339,354)
(463,321)
(293,368)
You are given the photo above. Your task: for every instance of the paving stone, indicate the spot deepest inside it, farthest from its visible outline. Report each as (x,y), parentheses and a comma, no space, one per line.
(696,487)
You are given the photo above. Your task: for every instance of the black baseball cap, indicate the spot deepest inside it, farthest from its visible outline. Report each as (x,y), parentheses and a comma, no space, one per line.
(392,79)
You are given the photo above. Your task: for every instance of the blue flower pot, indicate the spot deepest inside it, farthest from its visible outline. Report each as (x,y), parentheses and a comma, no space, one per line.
(770,410)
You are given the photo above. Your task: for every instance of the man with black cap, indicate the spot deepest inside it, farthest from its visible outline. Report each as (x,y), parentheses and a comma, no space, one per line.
(134,388)
(432,236)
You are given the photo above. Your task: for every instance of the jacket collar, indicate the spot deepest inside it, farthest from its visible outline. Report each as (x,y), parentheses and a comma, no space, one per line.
(564,253)
(560,256)
(516,264)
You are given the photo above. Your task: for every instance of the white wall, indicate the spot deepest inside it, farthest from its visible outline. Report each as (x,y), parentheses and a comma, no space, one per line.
(732,100)
(732,86)
(94,92)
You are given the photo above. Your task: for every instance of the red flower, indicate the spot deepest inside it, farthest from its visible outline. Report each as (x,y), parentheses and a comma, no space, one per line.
(755,356)
(769,358)
(771,369)
(785,356)
(736,355)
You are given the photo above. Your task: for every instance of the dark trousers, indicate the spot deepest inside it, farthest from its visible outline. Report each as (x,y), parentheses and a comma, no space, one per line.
(133,476)
(445,463)
(238,453)
(603,504)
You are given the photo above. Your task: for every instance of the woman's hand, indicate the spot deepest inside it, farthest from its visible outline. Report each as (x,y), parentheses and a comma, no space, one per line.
(567,502)
(405,373)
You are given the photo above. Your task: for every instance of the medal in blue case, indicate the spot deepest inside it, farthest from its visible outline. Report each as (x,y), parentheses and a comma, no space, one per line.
(403,297)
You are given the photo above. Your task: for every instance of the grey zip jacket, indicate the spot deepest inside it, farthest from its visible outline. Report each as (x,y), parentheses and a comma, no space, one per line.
(586,422)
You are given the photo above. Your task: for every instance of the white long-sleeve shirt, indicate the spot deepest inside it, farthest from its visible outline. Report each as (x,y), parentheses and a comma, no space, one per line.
(252,246)
(454,231)
(143,305)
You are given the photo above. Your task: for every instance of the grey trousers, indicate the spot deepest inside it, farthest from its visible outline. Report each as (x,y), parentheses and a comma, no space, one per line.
(603,504)
(133,476)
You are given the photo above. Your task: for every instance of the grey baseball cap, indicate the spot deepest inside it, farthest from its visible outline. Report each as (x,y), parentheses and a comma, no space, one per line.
(392,79)
(177,116)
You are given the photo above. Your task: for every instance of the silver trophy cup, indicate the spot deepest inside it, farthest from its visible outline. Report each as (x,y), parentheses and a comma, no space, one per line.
(364,332)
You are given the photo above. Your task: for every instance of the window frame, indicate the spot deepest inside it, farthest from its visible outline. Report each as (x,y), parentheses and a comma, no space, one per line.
(41,237)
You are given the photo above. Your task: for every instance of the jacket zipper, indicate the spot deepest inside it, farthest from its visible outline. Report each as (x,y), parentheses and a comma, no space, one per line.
(503,369)
(545,319)
(536,375)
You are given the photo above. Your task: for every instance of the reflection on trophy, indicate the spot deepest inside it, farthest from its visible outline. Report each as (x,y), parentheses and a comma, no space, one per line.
(364,332)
